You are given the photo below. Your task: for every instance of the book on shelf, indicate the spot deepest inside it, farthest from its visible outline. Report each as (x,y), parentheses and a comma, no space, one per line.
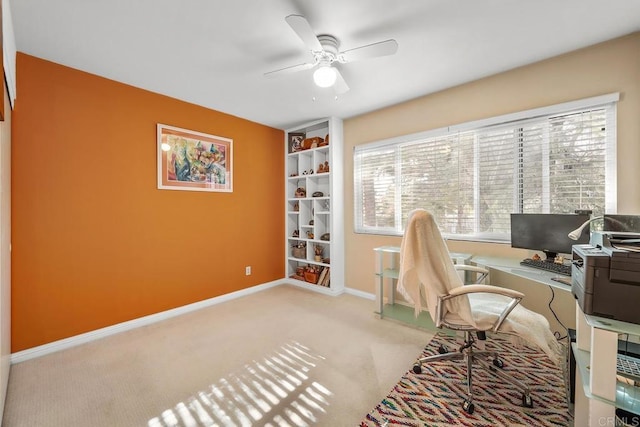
(323,274)
(327,277)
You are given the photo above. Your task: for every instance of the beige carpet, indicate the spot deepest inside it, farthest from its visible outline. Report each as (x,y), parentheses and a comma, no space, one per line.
(281,357)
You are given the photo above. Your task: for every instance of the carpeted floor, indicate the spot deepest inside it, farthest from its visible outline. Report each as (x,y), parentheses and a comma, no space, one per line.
(281,357)
(434,398)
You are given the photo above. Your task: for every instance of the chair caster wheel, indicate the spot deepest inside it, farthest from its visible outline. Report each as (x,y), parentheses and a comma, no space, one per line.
(498,363)
(443,349)
(468,407)
(527,402)
(417,369)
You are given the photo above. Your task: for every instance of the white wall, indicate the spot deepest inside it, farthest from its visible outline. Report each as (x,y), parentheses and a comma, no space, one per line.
(5,251)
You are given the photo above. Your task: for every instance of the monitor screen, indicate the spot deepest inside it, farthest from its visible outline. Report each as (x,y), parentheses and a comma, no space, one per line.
(547,232)
(621,223)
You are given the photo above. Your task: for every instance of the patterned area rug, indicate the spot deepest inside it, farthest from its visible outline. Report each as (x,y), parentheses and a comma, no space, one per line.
(434,398)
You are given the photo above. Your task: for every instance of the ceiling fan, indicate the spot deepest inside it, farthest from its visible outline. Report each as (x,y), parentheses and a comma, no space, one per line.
(325,51)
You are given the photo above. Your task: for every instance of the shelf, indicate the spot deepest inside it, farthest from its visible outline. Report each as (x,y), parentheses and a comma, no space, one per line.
(627,395)
(308,261)
(390,273)
(387,274)
(309,150)
(405,314)
(328,290)
(296,199)
(613,325)
(603,391)
(304,239)
(313,217)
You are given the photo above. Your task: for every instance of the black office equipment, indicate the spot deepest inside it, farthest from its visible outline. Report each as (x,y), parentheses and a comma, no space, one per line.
(564,269)
(547,232)
(572,366)
(624,223)
(606,276)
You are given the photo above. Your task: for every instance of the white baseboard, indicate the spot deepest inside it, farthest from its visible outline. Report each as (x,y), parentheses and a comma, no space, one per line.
(32,353)
(361,294)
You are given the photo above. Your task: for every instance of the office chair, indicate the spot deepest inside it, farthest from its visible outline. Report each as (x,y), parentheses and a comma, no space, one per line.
(426,270)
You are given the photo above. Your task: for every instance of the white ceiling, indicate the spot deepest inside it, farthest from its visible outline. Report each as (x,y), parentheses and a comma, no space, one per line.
(214,52)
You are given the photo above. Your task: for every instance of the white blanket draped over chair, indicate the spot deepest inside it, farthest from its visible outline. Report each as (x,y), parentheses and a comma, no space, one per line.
(426,270)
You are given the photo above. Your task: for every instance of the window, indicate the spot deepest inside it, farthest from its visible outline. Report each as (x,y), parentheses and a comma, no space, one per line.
(473,176)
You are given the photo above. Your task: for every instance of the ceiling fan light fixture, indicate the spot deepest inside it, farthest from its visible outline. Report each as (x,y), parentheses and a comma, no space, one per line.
(325,76)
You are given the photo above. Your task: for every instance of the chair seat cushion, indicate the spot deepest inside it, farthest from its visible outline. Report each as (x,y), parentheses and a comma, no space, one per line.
(521,323)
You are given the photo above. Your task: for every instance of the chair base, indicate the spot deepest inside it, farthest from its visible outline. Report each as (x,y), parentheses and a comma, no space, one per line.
(470,355)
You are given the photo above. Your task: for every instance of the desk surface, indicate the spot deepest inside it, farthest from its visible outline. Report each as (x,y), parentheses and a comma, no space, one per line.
(396,250)
(512,266)
(507,265)
(613,325)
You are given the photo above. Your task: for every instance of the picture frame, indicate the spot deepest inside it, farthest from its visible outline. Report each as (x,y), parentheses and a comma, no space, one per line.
(295,141)
(193,161)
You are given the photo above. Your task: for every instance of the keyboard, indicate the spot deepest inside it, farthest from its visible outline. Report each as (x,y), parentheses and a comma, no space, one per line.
(628,366)
(563,269)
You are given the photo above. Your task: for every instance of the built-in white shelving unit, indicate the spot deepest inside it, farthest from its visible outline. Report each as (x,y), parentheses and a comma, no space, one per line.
(314,212)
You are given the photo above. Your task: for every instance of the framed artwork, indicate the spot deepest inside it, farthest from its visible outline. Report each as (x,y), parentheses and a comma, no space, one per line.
(193,161)
(295,141)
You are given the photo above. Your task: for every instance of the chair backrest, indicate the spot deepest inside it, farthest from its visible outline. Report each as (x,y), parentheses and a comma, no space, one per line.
(425,264)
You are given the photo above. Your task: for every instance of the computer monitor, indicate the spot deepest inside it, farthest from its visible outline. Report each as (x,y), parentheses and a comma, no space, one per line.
(621,223)
(547,232)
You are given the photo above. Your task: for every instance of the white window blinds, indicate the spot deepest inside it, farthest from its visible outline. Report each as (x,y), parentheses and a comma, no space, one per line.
(472,179)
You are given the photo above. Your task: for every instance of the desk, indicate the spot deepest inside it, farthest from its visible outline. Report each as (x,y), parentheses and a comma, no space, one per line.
(387,273)
(598,393)
(512,266)
(538,286)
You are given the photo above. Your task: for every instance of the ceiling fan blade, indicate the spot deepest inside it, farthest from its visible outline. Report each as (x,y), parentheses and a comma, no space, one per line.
(301,26)
(387,47)
(340,85)
(289,70)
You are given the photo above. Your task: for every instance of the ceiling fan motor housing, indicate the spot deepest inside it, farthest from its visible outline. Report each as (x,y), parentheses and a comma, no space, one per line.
(330,51)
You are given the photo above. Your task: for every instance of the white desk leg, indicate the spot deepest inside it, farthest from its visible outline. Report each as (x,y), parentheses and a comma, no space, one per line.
(392,282)
(604,351)
(583,330)
(581,412)
(379,282)
(600,414)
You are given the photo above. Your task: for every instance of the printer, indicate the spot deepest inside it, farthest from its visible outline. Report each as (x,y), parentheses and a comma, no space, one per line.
(605,275)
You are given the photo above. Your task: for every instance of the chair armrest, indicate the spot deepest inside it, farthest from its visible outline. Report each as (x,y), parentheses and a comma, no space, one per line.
(515,296)
(468,289)
(467,267)
(483,272)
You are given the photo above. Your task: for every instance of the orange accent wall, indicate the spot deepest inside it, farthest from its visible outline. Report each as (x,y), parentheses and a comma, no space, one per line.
(94,242)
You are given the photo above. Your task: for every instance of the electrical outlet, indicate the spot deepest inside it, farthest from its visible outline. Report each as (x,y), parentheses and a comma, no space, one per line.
(247,270)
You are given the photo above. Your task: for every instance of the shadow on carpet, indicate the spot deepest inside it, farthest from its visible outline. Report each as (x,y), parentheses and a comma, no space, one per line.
(435,397)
